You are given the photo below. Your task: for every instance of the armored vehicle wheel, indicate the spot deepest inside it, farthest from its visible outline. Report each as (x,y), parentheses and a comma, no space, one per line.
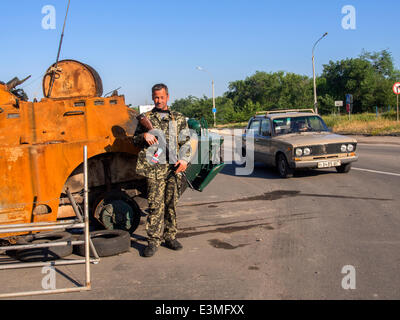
(344,168)
(44,254)
(107,243)
(117,211)
(283,167)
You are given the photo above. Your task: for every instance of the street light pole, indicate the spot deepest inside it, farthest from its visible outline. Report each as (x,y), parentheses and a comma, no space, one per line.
(314,85)
(213,92)
(314,80)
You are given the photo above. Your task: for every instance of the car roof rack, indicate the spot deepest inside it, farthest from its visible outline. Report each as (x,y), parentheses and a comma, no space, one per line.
(284,111)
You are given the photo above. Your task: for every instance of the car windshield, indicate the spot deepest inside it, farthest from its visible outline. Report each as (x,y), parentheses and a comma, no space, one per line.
(288,125)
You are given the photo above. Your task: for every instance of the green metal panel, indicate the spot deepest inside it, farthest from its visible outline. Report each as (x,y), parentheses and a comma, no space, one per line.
(211,175)
(203,171)
(200,174)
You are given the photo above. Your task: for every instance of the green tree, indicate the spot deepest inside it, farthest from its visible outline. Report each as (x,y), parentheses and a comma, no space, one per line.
(278,90)
(368,78)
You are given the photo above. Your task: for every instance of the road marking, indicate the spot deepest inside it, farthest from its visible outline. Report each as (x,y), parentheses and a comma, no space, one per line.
(391,145)
(380,172)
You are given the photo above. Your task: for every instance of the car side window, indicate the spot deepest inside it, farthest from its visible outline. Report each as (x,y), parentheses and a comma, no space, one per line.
(254,126)
(265,128)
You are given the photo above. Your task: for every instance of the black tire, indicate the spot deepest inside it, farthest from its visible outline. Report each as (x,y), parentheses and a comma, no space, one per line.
(107,243)
(44,254)
(344,168)
(283,167)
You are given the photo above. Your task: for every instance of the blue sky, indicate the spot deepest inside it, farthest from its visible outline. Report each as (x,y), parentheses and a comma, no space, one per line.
(135,44)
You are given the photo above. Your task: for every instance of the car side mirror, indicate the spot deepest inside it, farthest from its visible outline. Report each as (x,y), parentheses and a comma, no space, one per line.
(266,133)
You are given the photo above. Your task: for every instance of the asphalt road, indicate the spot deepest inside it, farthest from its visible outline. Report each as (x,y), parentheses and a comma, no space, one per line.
(261,237)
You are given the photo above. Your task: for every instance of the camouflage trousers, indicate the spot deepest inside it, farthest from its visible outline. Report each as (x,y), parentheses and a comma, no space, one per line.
(163,197)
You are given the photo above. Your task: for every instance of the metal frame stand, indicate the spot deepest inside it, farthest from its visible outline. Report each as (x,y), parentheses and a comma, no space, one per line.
(67,224)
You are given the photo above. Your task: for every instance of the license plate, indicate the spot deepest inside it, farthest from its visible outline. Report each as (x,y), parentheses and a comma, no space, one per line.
(329,164)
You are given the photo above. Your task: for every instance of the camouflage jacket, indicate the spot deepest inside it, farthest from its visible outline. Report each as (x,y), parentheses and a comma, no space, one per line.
(171,126)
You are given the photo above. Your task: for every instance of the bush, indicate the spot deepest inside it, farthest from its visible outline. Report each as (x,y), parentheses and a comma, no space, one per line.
(392,115)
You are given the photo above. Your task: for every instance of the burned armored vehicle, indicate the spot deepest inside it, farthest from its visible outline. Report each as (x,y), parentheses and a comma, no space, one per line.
(41,145)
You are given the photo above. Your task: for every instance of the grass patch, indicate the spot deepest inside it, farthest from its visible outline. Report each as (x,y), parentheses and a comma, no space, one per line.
(364,124)
(232,125)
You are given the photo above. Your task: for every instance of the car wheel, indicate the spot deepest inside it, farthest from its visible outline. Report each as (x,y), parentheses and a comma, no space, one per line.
(107,243)
(44,254)
(283,167)
(344,168)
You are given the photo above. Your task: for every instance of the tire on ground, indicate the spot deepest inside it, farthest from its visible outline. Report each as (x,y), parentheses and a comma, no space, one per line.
(44,254)
(344,168)
(283,167)
(107,243)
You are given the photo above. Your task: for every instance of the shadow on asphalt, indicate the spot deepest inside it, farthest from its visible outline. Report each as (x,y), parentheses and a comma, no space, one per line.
(263,171)
(138,246)
(75,282)
(260,171)
(279,194)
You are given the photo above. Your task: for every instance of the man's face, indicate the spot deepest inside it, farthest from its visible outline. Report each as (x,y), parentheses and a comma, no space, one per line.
(161,98)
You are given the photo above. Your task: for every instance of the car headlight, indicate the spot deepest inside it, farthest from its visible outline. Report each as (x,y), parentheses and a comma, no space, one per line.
(306,151)
(343,148)
(350,148)
(299,152)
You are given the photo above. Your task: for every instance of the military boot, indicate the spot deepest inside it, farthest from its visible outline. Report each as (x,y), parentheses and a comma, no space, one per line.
(150,250)
(173,244)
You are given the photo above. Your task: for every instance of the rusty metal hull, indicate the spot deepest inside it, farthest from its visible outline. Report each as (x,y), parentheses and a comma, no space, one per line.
(41,147)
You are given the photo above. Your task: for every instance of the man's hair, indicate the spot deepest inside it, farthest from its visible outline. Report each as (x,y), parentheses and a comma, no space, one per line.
(159,86)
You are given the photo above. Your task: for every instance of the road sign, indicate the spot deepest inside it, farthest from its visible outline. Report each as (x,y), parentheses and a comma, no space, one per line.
(349,98)
(338,103)
(214,110)
(396,88)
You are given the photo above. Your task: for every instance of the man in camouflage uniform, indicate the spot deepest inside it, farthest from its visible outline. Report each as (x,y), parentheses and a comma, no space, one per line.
(163,178)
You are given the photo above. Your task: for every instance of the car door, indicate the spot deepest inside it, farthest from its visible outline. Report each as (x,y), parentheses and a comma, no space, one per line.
(254,127)
(264,141)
